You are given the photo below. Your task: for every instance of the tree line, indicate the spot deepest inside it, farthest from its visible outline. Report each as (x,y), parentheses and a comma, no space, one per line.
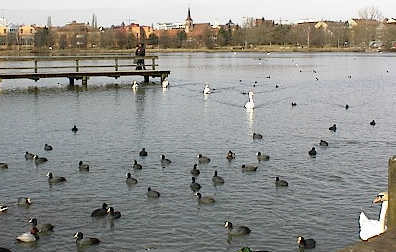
(368,28)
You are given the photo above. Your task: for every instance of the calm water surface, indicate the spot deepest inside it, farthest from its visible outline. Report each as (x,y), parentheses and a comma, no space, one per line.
(325,194)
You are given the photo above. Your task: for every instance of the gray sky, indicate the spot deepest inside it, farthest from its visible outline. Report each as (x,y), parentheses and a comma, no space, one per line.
(153,11)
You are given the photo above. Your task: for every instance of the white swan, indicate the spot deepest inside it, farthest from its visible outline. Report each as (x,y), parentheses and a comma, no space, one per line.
(371,228)
(250,103)
(207,89)
(135,85)
(165,83)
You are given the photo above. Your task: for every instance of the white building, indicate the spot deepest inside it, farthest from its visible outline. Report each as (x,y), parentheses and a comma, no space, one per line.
(168,26)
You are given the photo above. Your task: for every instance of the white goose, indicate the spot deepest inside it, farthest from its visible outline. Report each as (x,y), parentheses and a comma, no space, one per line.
(207,89)
(371,228)
(250,103)
(165,83)
(135,85)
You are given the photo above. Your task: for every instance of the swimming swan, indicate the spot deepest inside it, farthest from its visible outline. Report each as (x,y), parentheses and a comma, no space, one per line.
(135,85)
(250,103)
(370,228)
(207,89)
(165,83)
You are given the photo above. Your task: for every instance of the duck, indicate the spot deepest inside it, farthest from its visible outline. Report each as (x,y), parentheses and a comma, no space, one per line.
(257,136)
(333,128)
(82,242)
(323,143)
(39,160)
(152,193)
(42,228)
(276,86)
(82,166)
(346,107)
(55,179)
(129,180)
(306,243)
(207,89)
(236,230)
(48,147)
(74,129)
(230,155)
(3,208)
(143,153)
(100,212)
(249,167)
(195,171)
(205,199)
(280,182)
(165,161)
(29,156)
(217,180)
(24,201)
(203,159)
(165,83)
(262,157)
(194,185)
(372,123)
(32,236)
(312,152)
(3,166)
(135,85)
(136,165)
(113,214)
(293,104)
(370,228)
(250,103)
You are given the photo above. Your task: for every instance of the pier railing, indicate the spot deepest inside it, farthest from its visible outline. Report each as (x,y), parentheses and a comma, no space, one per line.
(78,62)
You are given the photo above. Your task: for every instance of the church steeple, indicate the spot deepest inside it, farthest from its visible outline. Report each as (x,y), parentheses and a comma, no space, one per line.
(189,16)
(189,22)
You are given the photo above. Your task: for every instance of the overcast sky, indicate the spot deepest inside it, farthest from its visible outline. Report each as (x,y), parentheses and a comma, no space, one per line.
(149,12)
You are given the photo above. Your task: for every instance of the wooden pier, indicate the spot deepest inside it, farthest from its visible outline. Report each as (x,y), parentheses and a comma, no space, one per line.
(78,67)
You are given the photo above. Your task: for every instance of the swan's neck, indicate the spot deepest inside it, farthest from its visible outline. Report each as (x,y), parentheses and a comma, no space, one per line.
(250,98)
(384,209)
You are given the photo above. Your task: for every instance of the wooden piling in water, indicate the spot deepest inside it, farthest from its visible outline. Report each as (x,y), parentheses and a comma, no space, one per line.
(392,193)
(84,80)
(71,82)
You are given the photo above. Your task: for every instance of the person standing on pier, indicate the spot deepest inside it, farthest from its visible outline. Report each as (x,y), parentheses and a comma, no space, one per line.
(140,51)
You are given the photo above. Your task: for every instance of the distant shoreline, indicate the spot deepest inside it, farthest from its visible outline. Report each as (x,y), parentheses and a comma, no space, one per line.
(258,49)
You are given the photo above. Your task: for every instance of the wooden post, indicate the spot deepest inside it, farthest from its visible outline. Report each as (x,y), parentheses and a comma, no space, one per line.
(35,66)
(77,65)
(71,81)
(84,80)
(146,79)
(392,193)
(153,65)
(116,64)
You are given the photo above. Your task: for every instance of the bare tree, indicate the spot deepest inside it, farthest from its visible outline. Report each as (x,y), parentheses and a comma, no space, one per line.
(370,13)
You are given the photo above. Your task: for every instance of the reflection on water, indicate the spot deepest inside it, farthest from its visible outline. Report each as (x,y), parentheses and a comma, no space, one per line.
(116,122)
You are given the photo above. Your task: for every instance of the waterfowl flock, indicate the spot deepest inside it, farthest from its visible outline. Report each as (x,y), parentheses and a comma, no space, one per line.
(111,213)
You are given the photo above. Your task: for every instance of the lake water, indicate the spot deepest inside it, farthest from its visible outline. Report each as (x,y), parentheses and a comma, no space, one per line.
(325,194)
